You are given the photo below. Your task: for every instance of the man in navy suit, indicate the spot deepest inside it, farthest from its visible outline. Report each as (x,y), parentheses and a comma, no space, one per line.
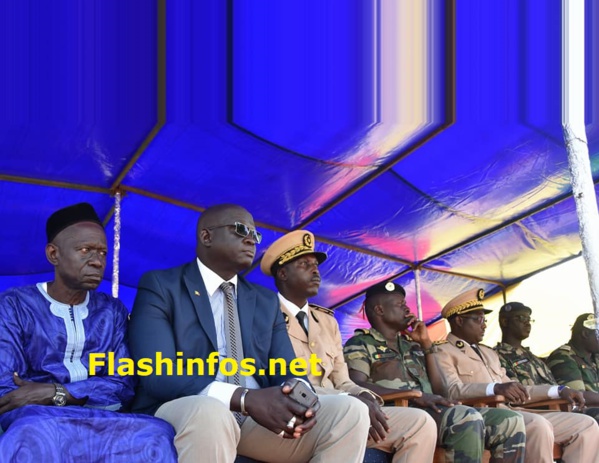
(181,314)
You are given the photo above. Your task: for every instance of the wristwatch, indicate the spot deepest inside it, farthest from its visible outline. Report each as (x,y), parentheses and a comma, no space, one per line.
(560,389)
(431,350)
(60,397)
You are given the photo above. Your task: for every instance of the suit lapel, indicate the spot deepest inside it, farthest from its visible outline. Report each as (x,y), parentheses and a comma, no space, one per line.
(314,327)
(201,301)
(295,330)
(470,352)
(317,345)
(246,307)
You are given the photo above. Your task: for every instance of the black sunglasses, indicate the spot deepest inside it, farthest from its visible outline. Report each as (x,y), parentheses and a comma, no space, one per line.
(242,230)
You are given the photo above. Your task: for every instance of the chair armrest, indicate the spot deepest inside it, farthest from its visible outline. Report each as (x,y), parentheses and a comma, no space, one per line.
(401,398)
(550,404)
(486,401)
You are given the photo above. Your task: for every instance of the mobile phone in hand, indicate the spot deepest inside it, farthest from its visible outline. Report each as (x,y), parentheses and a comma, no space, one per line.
(303,395)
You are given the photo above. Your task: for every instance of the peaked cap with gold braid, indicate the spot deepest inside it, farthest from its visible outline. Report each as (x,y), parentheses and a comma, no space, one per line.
(464,303)
(289,247)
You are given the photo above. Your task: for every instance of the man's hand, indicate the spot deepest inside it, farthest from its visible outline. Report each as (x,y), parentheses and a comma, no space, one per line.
(513,392)
(591,399)
(419,333)
(378,420)
(27,393)
(272,408)
(432,400)
(576,398)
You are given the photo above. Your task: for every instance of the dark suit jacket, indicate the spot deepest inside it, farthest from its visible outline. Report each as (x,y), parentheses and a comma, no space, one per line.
(172,314)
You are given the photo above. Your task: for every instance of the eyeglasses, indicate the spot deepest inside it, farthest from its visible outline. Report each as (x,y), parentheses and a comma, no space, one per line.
(479,319)
(523,319)
(242,230)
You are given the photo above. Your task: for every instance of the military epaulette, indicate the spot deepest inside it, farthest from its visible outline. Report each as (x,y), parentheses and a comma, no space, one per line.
(361,331)
(440,341)
(322,309)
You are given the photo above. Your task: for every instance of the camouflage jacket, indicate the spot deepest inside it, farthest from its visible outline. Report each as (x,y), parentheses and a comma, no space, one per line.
(571,369)
(524,366)
(368,352)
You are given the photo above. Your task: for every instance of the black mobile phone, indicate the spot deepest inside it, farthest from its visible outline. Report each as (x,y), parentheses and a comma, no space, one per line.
(303,395)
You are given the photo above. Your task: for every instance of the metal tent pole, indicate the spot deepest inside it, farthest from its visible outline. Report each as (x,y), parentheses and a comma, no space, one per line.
(117,244)
(418,295)
(573,109)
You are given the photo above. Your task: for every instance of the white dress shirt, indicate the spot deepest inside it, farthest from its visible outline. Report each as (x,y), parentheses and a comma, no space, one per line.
(294,309)
(219,388)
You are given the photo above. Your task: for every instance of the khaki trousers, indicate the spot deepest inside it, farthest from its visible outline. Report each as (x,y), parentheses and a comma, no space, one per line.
(578,434)
(207,431)
(412,435)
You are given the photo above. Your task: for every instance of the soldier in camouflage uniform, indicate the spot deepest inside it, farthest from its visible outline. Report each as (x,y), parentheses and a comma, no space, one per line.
(519,362)
(408,433)
(576,364)
(471,369)
(385,361)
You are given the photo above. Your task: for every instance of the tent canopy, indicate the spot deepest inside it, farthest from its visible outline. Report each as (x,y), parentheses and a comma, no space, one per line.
(405,135)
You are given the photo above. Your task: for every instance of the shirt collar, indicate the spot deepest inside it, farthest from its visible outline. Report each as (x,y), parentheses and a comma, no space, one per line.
(579,353)
(509,348)
(43,288)
(294,309)
(504,346)
(212,281)
(376,335)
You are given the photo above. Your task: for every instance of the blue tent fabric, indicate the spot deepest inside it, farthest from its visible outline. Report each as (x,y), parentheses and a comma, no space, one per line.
(403,136)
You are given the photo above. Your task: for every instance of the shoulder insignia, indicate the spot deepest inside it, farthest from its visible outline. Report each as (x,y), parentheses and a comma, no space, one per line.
(441,341)
(386,355)
(361,331)
(383,348)
(322,309)
(459,344)
(286,318)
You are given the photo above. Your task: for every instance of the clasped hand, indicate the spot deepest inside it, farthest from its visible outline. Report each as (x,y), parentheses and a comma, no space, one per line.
(273,409)
(378,420)
(513,392)
(576,398)
(432,401)
(26,393)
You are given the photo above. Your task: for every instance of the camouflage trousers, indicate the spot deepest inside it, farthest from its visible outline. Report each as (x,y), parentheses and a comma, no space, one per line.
(505,434)
(464,433)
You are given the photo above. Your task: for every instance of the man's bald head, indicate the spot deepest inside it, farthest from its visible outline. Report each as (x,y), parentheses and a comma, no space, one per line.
(213,215)
(220,245)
